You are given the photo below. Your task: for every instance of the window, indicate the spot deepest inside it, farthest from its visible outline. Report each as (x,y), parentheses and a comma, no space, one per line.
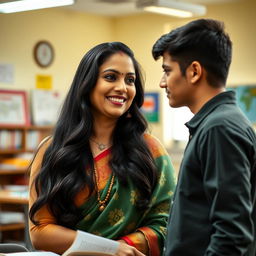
(174,120)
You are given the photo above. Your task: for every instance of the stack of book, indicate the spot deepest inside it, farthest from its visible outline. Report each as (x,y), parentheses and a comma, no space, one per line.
(7,217)
(19,161)
(10,139)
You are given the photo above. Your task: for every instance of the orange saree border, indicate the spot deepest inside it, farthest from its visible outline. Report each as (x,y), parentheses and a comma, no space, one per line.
(152,240)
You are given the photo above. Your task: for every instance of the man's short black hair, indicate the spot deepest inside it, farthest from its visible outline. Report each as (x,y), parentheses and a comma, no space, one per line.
(202,40)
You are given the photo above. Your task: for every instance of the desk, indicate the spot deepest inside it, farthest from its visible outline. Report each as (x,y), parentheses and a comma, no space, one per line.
(21,198)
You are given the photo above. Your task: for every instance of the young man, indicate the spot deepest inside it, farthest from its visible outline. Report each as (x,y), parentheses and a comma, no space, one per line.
(214,209)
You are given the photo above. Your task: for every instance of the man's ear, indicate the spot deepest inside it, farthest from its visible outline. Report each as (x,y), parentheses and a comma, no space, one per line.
(195,71)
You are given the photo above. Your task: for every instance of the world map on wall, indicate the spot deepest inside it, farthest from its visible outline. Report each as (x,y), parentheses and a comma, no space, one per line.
(246,99)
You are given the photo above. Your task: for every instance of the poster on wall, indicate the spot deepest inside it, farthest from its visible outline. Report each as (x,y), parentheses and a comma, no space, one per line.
(246,99)
(44,82)
(13,108)
(45,106)
(150,107)
(6,73)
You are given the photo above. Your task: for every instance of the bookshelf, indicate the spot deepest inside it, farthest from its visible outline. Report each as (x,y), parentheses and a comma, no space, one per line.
(17,146)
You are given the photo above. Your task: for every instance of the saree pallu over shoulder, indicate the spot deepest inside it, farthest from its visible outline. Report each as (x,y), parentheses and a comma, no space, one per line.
(120,216)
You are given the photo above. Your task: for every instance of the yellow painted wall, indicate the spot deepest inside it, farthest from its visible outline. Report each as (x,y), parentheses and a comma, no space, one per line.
(70,33)
(73,33)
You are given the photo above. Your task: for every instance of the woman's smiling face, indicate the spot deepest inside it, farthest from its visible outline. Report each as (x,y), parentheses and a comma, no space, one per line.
(115,89)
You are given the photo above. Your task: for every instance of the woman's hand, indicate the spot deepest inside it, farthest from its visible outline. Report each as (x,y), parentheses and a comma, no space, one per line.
(127,250)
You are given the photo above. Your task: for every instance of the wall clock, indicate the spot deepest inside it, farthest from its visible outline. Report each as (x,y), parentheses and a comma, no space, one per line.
(43,54)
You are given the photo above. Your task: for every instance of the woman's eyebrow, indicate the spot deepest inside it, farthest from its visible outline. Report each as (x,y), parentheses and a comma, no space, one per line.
(117,72)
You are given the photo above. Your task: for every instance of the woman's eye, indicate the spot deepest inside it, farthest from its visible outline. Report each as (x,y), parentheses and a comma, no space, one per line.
(110,77)
(130,80)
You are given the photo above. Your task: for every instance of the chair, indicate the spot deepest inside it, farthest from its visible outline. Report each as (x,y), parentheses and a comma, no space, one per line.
(11,247)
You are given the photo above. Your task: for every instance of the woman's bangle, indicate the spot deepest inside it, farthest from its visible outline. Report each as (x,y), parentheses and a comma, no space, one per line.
(127,240)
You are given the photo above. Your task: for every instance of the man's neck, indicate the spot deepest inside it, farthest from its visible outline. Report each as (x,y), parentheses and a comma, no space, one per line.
(203,96)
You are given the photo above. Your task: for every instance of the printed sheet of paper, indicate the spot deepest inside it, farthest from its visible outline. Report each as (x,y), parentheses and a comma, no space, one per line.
(86,242)
(29,254)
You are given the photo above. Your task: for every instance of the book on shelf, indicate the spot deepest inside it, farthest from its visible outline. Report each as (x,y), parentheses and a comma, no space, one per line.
(10,139)
(7,217)
(33,139)
(18,161)
(85,244)
(14,191)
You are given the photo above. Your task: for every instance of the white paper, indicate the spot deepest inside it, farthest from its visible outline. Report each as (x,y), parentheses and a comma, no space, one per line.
(86,242)
(45,106)
(6,73)
(29,254)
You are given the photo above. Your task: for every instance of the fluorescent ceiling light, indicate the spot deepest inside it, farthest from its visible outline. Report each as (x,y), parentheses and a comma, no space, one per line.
(26,5)
(173,8)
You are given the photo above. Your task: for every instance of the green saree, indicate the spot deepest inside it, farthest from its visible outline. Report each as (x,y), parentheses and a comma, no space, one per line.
(121,217)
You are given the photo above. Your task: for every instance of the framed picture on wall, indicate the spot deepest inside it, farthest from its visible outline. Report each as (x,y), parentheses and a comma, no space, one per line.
(13,108)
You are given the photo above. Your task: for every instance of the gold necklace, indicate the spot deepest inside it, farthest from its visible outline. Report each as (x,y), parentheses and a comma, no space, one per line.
(102,203)
(101,146)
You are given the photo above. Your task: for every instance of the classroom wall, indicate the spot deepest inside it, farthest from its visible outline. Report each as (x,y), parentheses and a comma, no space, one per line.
(70,33)
(73,33)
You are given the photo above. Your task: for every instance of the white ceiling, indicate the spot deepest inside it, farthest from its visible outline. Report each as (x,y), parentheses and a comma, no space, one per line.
(124,7)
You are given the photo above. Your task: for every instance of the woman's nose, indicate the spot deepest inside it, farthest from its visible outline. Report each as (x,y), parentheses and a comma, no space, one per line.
(121,85)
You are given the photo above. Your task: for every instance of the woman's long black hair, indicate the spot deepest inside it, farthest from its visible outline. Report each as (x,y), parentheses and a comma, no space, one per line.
(62,174)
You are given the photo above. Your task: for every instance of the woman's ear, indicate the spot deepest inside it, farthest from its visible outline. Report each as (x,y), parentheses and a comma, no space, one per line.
(194,71)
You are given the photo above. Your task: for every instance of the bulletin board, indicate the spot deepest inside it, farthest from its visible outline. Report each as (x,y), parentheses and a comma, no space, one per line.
(150,108)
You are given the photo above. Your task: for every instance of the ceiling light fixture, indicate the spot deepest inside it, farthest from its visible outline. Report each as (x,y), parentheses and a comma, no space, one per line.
(27,5)
(173,8)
